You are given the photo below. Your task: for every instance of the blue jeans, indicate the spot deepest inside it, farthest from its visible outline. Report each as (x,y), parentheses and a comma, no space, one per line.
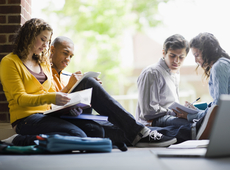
(169,120)
(101,102)
(182,133)
(42,124)
(105,105)
(174,127)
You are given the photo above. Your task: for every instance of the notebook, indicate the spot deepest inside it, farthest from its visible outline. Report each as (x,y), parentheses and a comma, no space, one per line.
(219,141)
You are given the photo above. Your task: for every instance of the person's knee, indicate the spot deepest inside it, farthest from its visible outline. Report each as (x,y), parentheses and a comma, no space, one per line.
(90,81)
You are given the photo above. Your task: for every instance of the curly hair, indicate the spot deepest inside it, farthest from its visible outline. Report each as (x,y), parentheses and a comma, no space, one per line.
(25,37)
(210,49)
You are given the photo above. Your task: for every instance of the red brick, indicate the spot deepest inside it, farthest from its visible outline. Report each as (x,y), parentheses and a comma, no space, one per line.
(2,1)
(2,97)
(6,48)
(14,19)
(9,28)
(2,19)
(2,38)
(4,107)
(10,9)
(15,1)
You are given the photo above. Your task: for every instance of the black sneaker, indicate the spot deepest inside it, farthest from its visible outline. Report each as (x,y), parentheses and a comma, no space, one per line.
(155,139)
(204,125)
(121,145)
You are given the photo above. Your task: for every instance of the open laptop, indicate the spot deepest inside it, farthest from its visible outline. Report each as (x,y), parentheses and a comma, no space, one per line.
(219,141)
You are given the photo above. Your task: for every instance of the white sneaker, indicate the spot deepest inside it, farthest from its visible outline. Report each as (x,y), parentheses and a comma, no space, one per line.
(155,139)
(9,140)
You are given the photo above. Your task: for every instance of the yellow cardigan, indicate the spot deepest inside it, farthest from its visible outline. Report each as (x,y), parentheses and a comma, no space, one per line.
(25,94)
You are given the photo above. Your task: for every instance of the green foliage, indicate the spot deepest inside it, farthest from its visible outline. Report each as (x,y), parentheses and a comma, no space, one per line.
(97,27)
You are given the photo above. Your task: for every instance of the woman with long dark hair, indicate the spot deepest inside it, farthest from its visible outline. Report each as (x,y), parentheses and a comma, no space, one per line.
(216,65)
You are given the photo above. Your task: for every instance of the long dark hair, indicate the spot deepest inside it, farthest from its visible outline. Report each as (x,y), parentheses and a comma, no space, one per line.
(25,38)
(210,49)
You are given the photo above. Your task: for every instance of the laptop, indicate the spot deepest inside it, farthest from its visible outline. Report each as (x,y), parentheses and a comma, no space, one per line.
(219,141)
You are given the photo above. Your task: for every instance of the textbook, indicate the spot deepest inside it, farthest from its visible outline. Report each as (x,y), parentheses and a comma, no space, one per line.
(186,109)
(87,74)
(80,99)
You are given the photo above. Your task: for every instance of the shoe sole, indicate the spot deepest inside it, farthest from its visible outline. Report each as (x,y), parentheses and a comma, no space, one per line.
(206,126)
(160,144)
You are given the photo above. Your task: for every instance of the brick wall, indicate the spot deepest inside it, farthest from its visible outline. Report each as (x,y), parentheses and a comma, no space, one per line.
(13,14)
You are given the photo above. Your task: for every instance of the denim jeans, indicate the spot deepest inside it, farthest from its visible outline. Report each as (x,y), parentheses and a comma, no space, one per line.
(182,133)
(42,124)
(169,120)
(102,103)
(105,105)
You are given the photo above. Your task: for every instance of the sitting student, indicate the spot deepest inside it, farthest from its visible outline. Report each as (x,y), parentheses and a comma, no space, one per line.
(158,85)
(216,65)
(62,50)
(29,90)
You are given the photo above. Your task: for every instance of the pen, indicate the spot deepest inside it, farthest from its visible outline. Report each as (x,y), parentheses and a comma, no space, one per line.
(195,100)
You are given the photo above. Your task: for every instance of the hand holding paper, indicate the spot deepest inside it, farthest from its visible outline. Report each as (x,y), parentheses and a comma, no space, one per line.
(76,111)
(80,99)
(189,105)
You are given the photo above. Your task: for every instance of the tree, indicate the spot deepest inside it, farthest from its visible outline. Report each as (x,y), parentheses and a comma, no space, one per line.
(97,27)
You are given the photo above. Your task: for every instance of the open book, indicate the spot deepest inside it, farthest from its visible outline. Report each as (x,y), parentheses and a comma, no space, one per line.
(87,74)
(186,109)
(80,99)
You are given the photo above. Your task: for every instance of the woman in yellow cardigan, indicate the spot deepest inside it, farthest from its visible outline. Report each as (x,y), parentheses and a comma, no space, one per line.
(27,82)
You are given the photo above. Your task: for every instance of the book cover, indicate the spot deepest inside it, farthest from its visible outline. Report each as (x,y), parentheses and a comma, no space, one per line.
(80,99)
(87,74)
